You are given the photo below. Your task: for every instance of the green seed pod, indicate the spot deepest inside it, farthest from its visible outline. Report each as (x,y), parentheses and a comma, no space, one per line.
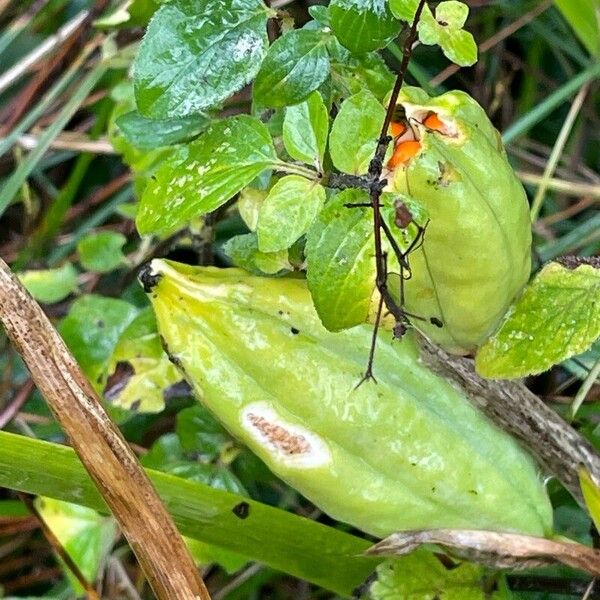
(476,253)
(407,452)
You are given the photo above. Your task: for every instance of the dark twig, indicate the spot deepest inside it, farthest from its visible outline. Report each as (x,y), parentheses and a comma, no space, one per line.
(376,186)
(14,406)
(59,548)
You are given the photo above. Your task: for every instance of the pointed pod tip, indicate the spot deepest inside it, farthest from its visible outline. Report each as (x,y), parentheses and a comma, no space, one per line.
(149,275)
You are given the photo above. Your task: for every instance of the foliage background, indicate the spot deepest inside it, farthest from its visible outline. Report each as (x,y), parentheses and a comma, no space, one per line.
(68,228)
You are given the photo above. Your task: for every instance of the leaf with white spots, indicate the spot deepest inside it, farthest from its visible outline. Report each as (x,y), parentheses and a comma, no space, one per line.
(196,54)
(557,317)
(288,211)
(205,174)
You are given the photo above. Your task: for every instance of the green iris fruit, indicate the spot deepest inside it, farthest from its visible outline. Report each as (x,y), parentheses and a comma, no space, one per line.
(407,452)
(476,253)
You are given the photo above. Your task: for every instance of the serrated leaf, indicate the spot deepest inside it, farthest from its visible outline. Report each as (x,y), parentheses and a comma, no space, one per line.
(196,54)
(363,25)
(352,73)
(421,576)
(50,285)
(206,173)
(243,252)
(340,261)
(446,30)
(149,134)
(102,251)
(355,132)
(305,129)
(558,316)
(404,10)
(86,536)
(295,66)
(139,370)
(91,330)
(288,211)
(591,495)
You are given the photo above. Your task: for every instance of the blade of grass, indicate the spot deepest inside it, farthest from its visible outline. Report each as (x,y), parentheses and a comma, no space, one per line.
(58,209)
(557,151)
(16,180)
(588,231)
(526,122)
(58,88)
(298,546)
(47,46)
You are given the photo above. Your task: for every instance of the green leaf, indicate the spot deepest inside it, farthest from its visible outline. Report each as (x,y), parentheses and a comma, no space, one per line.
(351,73)
(363,25)
(149,134)
(92,329)
(243,252)
(404,10)
(296,65)
(557,317)
(196,54)
(355,132)
(340,262)
(102,251)
(168,455)
(584,18)
(140,371)
(301,547)
(446,30)
(50,285)
(591,494)
(288,211)
(86,536)
(421,576)
(249,202)
(206,173)
(199,432)
(305,129)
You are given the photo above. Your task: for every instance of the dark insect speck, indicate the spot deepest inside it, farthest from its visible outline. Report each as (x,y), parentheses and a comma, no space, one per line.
(435,321)
(295,331)
(241,510)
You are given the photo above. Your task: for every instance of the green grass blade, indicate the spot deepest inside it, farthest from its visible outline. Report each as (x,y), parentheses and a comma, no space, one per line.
(526,122)
(17,179)
(284,541)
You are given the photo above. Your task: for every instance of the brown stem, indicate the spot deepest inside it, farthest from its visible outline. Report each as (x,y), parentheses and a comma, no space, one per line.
(510,405)
(100,445)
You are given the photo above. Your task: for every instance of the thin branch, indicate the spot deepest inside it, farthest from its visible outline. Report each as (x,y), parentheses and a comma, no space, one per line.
(100,445)
(59,548)
(14,406)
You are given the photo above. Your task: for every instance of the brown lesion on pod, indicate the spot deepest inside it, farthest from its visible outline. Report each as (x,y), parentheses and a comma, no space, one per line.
(285,442)
(279,436)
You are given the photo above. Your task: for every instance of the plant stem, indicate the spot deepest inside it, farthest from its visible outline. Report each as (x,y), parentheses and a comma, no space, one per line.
(586,386)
